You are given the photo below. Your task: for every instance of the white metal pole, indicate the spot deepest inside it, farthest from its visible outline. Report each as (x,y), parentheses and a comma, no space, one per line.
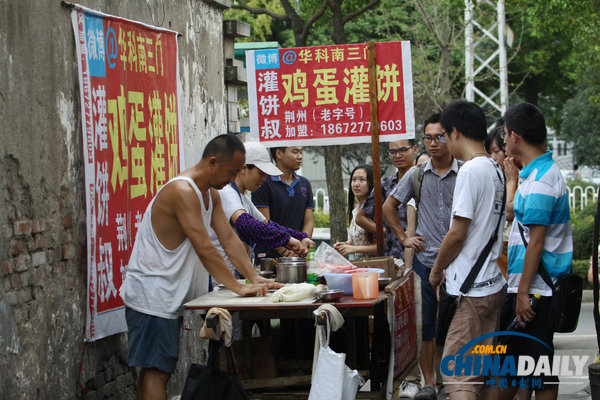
(502,56)
(469,77)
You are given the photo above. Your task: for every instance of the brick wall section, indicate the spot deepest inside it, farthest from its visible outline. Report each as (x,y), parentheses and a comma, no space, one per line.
(24,275)
(24,271)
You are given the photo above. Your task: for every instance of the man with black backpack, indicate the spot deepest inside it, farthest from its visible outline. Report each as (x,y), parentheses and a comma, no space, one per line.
(433,188)
(540,246)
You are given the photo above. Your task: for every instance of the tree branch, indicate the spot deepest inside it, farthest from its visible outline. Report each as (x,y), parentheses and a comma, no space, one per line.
(242,5)
(432,29)
(356,13)
(313,19)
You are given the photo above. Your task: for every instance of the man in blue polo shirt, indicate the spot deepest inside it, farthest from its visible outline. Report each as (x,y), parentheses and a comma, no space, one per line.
(286,199)
(541,208)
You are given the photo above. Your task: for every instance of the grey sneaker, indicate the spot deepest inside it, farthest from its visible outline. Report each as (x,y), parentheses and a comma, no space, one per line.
(408,390)
(426,393)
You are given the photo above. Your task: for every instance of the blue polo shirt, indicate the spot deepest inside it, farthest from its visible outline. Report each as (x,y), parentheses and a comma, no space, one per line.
(286,203)
(542,199)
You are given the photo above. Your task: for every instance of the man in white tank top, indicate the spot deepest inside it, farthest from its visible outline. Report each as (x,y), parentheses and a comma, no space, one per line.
(172,257)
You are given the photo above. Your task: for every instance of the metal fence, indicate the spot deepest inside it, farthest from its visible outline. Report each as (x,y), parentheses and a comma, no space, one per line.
(579,196)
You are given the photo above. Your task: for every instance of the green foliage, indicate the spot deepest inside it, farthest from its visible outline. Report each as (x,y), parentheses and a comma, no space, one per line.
(557,43)
(321,219)
(576,20)
(580,267)
(580,117)
(582,224)
(261,26)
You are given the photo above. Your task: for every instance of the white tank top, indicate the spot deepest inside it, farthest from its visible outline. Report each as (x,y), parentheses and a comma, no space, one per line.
(159,281)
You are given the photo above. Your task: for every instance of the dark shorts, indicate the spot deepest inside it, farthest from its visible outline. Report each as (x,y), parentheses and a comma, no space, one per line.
(153,341)
(429,302)
(537,328)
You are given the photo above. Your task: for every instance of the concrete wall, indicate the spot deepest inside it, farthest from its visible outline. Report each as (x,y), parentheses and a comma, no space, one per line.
(42,205)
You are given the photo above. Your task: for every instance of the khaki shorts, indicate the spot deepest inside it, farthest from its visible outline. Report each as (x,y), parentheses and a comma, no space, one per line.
(474,317)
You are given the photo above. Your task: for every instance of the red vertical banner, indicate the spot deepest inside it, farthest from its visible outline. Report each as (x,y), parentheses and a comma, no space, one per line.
(128,75)
(404,325)
(319,95)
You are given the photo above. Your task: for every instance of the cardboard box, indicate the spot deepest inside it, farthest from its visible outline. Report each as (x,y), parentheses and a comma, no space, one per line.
(386,263)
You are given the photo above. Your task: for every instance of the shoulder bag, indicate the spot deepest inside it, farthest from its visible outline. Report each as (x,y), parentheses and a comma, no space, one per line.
(210,383)
(566,296)
(448,303)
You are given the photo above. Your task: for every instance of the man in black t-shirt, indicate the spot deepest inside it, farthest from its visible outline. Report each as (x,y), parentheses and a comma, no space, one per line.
(286,199)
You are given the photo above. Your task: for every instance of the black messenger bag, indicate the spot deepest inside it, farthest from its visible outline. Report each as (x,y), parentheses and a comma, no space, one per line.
(566,297)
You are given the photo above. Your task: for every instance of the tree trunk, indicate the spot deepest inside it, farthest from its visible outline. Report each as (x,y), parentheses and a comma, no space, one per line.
(333,154)
(338,36)
(335,191)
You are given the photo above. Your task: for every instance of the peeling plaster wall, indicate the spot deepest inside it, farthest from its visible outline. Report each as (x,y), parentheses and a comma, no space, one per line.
(42,207)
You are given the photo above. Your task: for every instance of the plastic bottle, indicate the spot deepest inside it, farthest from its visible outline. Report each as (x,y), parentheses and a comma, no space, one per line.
(533,302)
(312,265)
(310,256)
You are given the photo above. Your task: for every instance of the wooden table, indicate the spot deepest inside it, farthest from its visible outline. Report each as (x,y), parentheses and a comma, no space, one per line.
(261,308)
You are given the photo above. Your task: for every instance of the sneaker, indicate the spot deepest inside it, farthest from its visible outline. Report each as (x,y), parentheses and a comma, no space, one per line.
(426,393)
(408,390)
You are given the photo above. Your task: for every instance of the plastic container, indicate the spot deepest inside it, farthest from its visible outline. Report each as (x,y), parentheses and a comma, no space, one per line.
(343,281)
(365,285)
(339,282)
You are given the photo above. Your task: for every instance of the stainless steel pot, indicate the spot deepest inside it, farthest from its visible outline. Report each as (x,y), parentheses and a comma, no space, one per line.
(291,269)
(266,264)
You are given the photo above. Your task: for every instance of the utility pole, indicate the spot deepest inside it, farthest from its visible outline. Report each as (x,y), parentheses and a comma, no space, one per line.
(485,55)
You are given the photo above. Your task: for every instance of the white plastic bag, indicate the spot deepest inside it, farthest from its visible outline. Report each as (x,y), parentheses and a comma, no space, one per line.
(352,380)
(328,375)
(330,259)
(332,378)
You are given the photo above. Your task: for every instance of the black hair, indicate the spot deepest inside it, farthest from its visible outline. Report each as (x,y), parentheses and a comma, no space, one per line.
(419,155)
(495,134)
(528,121)
(223,147)
(273,151)
(250,166)
(432,119)
(369,169)
(466,117)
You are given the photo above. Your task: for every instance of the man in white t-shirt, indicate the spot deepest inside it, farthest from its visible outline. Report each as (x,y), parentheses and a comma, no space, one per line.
(477,205)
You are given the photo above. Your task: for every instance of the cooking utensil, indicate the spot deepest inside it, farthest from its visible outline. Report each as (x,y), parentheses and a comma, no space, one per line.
(330,295)
(266,274)
(266,264)
(292,271)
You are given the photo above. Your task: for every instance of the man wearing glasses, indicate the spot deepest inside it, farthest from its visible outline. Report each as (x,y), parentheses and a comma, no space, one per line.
(402,154)
(433,220)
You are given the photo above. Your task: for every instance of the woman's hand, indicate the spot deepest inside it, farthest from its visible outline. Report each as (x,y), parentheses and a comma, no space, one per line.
(344,248)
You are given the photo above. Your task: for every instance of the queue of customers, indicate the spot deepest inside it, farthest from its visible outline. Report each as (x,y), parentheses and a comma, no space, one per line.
(467,215)
(440,208)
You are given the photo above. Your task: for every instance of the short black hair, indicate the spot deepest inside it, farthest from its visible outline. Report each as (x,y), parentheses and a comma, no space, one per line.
(223,147)
(273,151)
(432,119)
(528,121)
(466,117)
